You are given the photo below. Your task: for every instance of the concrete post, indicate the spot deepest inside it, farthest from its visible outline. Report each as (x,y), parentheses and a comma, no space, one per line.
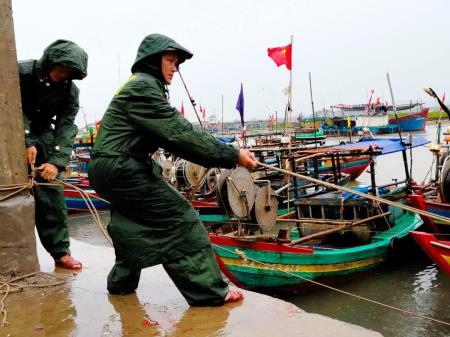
(17,239)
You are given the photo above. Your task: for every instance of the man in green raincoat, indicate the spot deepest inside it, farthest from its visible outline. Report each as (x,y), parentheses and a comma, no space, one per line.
(151,222)
(50,104)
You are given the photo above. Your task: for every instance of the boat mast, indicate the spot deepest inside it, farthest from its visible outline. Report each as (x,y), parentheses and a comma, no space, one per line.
(313,112)
(405,160)
(222,116)
(290,83)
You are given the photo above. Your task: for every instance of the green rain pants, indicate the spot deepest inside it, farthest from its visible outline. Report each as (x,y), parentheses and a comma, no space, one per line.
(152,223)
(51,214)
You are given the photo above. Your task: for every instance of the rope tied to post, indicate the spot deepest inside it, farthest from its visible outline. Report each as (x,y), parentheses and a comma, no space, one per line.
(18,188)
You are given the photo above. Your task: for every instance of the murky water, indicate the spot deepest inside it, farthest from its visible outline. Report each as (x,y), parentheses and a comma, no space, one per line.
(410,281)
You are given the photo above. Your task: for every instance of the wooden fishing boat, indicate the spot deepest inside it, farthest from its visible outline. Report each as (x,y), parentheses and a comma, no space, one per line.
(410,121)
(378,124)
(434,196)
(432,205)
(276,266)
(75,202)
(333,235)
(437,250)
(354,166)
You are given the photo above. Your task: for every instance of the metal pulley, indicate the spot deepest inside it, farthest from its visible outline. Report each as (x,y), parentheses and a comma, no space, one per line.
(211,180)
(221,189)
(189,174)
(266,208)
(168,171)
(241,191)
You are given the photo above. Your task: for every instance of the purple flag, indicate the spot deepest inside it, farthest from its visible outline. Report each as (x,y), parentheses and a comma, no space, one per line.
(240,105)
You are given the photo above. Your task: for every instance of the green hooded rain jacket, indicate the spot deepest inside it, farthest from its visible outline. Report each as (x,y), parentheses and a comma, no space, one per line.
(49,111)
(152,223)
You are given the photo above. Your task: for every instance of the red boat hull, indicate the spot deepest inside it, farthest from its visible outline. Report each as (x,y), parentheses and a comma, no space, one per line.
(437,250)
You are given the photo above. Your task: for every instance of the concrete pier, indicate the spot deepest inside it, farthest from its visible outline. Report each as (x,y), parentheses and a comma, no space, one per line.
(83,307)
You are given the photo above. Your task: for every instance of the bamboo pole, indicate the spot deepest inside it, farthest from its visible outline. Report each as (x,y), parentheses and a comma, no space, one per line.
(287,215)
(367,196)
(317,221)
(297,160)
(337,229)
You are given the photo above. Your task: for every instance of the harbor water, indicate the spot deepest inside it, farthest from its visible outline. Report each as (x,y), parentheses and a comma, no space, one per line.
(409,281)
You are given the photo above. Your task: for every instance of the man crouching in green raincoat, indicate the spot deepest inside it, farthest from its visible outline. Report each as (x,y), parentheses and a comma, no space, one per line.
(50,104)
(151,222)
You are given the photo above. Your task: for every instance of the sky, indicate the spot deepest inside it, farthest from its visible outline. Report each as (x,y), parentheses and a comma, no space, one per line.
(348,46)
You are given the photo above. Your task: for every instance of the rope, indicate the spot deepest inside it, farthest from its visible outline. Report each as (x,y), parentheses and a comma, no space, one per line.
(242,256)
(19,287)
(17,188)
(87,199)
(367,196)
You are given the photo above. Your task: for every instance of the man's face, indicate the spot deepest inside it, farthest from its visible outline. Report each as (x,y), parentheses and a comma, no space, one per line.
(59,73)
(169,66)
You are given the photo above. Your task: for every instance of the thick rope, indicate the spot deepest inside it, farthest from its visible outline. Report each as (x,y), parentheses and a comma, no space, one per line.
(17,188)
(19,287)
(242,256)
(367,196)
(87,199)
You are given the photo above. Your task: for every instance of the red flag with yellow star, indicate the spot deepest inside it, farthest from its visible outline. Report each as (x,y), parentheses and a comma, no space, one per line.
(281,55)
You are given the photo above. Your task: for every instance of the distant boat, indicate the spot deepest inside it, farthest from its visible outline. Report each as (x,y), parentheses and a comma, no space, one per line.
(379,123)
(386,107)
(410,121)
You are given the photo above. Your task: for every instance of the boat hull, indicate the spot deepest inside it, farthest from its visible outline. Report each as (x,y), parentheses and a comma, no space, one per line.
(75,202)
(410,121)
(280,266)
(440,208)
(353,166)
(437,250)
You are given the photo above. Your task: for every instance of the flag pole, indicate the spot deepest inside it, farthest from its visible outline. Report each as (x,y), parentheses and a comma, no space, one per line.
(222,117)
(290,83)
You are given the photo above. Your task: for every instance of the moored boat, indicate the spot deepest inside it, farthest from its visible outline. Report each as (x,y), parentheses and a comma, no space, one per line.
(74,200)
(275,266)
(332,235)
(410,121)
(437,250)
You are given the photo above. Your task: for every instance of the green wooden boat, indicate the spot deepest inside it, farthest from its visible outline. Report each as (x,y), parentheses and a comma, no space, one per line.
(310,135)
(255,264)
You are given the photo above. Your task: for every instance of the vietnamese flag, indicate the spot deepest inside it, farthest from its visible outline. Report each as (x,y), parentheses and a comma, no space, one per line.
(281,55)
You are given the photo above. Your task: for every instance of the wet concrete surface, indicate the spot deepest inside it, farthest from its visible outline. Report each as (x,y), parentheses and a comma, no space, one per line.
(83,308)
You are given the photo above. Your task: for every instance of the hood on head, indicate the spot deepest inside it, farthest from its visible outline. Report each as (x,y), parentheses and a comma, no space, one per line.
(151,49)
(68,54)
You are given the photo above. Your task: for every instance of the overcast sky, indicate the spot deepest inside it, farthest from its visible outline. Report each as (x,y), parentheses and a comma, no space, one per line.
(348,46)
